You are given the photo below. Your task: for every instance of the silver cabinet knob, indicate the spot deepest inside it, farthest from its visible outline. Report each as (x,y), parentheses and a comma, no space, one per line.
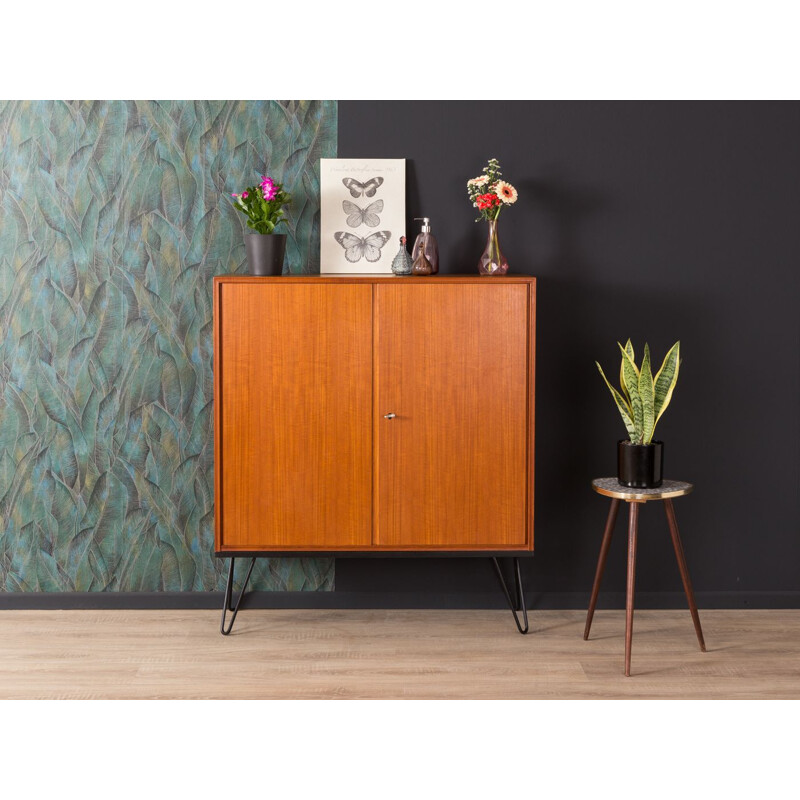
(389,416)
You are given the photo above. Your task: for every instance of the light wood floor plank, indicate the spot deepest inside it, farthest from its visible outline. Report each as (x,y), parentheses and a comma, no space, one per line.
(395,654)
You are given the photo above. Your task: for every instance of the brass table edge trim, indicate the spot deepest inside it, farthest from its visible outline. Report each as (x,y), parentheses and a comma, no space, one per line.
(642,498)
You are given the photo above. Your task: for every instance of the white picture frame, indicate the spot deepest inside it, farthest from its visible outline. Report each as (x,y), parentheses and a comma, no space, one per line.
(362,214)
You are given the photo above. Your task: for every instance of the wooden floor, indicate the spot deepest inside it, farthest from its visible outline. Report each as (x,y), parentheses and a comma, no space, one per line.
(395,654)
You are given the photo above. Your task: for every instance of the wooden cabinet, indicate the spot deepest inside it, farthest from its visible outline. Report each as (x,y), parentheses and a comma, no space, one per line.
(373,413)
(294,415)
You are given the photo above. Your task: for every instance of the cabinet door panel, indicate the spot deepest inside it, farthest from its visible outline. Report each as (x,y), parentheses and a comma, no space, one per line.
(451,363)
(295,439)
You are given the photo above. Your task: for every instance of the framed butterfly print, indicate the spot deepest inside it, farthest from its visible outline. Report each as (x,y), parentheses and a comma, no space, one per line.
(362,213)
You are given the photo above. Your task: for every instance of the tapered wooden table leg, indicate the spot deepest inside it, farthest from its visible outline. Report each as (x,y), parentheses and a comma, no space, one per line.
(601,562)
(687,584)
(633,526)
(611,487)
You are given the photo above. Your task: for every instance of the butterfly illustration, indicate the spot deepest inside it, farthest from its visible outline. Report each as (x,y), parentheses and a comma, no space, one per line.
(357,188)
(368,216)
(356,246)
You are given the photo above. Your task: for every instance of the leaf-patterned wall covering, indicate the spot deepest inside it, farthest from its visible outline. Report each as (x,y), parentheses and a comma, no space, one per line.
(113,219)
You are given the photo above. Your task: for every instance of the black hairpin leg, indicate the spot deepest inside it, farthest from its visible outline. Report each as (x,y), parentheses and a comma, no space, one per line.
(518,593)
(226,605)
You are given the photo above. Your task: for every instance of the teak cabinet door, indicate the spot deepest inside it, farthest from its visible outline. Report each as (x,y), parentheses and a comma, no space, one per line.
(294,395)
(451,363)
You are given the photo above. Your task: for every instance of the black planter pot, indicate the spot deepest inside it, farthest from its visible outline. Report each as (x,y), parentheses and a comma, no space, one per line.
(265,253)
(640,466)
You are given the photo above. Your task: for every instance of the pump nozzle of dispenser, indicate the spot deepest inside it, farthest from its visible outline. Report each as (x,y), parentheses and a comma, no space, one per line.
(426,223)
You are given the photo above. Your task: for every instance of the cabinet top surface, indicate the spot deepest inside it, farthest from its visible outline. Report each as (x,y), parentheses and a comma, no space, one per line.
(375,278)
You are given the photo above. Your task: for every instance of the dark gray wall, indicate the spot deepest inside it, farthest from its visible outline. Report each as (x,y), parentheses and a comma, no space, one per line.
(654,220)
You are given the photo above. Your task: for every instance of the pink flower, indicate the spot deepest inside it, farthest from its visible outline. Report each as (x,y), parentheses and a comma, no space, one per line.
(233,194)
(268,187)
(244,195)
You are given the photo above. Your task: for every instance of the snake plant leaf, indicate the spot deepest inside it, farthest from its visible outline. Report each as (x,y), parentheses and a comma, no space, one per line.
(632,382)
(666,378)
(647,395)
(629,351)
(622,405)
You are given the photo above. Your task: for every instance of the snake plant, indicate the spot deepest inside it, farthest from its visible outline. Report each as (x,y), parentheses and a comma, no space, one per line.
(643,398)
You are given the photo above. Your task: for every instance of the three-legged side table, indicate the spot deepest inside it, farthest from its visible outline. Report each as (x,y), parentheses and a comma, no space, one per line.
(612,488)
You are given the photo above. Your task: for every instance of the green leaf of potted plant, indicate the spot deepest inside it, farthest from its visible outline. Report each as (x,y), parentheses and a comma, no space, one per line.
(263,206)
(641,402)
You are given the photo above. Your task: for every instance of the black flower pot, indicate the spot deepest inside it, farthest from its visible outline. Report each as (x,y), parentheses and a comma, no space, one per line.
(640,466)
(265,253)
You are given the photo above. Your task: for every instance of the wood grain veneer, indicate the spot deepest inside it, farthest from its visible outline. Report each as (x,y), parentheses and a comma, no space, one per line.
(294,407)
(306,367)
(451,361)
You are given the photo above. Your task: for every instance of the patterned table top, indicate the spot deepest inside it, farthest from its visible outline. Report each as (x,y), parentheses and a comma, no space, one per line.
(611,487)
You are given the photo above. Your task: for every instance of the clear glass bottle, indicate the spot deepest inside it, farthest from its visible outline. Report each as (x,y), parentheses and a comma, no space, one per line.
(427,243)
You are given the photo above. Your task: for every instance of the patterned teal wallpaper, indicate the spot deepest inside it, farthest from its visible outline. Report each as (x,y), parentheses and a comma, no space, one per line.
(113,220)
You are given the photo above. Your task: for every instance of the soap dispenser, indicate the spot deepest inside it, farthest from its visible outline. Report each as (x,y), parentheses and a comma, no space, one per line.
(426,243)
